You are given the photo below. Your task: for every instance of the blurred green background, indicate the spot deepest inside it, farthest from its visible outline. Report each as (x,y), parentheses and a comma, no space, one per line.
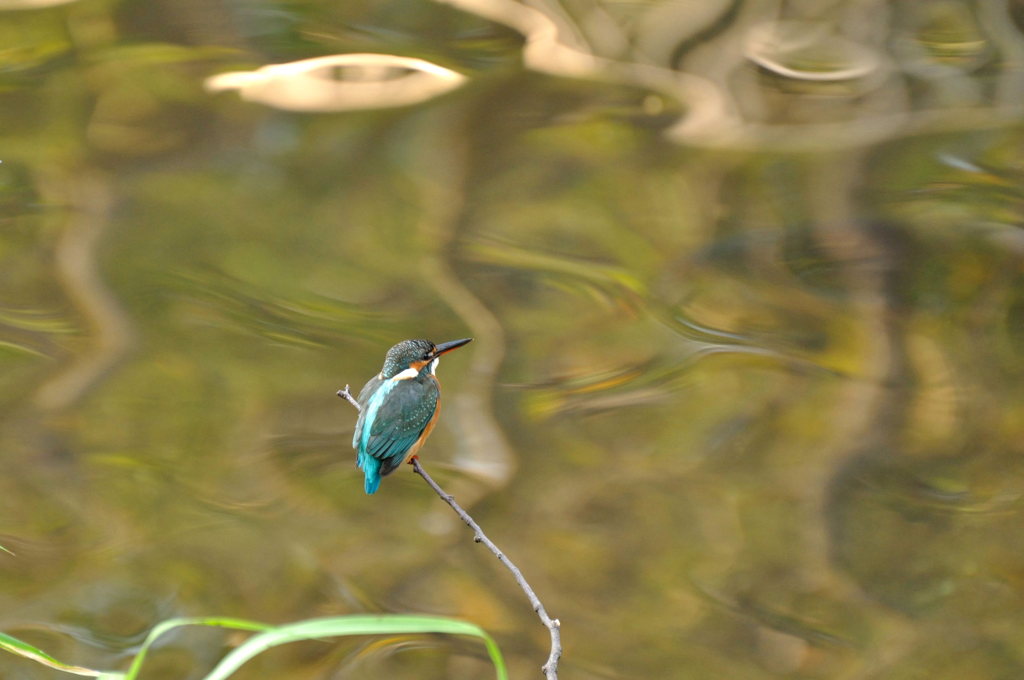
(746,289)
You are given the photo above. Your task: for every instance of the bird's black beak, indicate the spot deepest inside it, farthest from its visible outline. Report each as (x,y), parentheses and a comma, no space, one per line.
(449,346)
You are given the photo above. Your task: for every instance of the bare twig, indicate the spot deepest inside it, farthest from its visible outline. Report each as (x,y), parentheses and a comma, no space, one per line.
(550,667)
(347,396)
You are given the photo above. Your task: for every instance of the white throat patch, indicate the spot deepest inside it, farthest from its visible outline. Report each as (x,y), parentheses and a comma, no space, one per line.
(406,374)
(433,365)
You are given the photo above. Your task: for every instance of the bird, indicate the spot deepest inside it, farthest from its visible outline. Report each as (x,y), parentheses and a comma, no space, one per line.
(398,408)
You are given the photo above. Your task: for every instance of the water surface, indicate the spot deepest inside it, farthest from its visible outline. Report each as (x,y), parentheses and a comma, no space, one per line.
(745,281)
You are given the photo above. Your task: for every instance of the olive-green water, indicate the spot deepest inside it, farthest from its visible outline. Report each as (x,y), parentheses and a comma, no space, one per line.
(745,281)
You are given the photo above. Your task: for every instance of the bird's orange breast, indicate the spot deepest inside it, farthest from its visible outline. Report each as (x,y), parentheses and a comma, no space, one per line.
(426,430)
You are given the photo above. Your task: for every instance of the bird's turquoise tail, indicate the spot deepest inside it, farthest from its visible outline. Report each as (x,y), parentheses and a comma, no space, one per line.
(371,470)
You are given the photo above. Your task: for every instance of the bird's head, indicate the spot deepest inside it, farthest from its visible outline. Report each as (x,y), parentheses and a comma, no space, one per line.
(416,356)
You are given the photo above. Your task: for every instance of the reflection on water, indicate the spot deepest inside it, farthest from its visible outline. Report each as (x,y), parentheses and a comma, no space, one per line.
(341,82)
(745,282)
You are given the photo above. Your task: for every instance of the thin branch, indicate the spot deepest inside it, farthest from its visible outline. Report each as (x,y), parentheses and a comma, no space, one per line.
(550,667)
(347,396)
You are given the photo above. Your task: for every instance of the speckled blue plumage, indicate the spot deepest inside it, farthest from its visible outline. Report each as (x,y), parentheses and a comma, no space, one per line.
(397,408)
(395,413)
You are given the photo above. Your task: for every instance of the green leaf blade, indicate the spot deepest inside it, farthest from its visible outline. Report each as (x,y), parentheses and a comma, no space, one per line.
(355,625)
(24,649)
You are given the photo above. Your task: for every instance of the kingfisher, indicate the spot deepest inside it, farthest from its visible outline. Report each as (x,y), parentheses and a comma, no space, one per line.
(399,408)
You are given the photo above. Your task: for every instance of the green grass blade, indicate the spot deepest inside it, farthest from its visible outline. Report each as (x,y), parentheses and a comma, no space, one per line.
(271,636)
(354,625)
(21,648)
(170,624)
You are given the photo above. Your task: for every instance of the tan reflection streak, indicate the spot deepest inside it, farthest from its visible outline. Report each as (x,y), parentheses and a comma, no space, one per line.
(31,4)
(483,449)
(713,117)
(769,44)
(89,200)
(340,82)
(710,113)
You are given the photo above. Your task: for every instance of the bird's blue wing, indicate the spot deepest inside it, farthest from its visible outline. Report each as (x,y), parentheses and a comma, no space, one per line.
(398,418)
(365,394)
